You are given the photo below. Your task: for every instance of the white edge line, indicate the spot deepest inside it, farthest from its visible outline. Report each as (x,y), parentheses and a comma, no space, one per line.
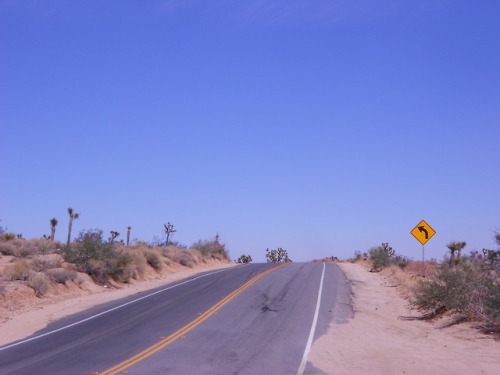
(108,311)
(303,363)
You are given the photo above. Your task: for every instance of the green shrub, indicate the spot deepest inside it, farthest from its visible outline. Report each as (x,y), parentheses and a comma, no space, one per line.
(277,256)
(384,256)
(97,257)
(463,289)
(39,283)
(244,259)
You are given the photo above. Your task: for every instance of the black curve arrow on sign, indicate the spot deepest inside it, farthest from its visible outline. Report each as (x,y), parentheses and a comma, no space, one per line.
(422,229)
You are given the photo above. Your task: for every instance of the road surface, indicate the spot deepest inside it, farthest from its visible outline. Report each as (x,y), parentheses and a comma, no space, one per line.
(249,319)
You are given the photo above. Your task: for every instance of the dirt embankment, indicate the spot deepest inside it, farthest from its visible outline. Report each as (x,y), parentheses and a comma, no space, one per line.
(22,313)
(379,341)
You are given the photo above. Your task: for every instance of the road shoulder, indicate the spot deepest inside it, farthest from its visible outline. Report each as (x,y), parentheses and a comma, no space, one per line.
(378,341)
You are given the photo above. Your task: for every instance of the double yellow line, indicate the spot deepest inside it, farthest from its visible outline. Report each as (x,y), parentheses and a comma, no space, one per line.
(188,327)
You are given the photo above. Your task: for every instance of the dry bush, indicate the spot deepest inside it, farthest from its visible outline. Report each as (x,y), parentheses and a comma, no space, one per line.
(8,247)
(185,257)
(45,263)
(18,271)
(423,269)
(139,264)
(39,283)
(153,258)
(211,250)
(61,275)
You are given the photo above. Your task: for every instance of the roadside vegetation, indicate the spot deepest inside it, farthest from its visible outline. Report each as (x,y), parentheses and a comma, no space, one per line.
(277,256)
(464,285)
(42,264)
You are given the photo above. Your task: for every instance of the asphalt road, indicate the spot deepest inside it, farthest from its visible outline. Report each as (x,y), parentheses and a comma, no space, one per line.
(232,321)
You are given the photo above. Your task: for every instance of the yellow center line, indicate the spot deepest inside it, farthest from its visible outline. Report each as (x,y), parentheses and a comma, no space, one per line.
(188,327)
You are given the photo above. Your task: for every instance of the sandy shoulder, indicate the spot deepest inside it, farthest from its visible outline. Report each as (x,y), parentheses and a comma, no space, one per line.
(378,341)
(26,320)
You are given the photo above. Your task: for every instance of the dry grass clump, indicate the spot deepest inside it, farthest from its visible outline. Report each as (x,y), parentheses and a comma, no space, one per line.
(138,264)
(185,257)
(22,248)
(153,258)
(61,275)
(45,263)
(39,283)
(422,269)
(211,250)
(20,270)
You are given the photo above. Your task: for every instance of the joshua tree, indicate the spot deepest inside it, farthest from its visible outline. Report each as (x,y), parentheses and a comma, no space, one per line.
(455,246)
(128,234)
(53,224)
(72,216)
(113,236)
(169,228)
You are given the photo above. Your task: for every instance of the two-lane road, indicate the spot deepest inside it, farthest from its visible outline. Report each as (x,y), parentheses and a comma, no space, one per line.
(250,319)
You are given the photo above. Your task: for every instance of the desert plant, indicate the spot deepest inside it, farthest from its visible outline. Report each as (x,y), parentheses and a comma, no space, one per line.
(277,256)
(61,275)
(53,224)
(455,246)
(384,256)
(169,229)
(72,216)
(114,234)
(211,249)
(45,263)
(96,257)
(244,259)
(153,258)
(462,289)
(17,271)
(8,236)
(39,283)
(128,235)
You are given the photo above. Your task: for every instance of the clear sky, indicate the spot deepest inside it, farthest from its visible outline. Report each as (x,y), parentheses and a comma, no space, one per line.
(322,127)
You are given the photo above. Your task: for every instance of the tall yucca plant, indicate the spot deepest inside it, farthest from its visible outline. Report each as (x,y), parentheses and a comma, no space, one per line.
(72,216)
(53,224)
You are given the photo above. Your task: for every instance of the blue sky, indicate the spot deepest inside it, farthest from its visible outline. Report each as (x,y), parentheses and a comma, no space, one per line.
(322,127)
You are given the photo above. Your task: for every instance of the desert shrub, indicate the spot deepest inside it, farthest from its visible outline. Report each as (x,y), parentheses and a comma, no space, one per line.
(17,271)
(97,257)
(185,257)
(420,268)
(244,259)
(211,249)
(277,256)
(138,264)
(385,256)
(20,247)
(45,263)
(8,236)
(153,258)
(463,289)
(61,275)
(39,283)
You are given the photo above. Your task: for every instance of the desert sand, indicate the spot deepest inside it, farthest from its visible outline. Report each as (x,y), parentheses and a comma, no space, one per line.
(378,341)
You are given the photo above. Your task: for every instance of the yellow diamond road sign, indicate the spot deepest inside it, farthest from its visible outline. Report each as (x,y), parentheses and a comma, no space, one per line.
(423,232)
